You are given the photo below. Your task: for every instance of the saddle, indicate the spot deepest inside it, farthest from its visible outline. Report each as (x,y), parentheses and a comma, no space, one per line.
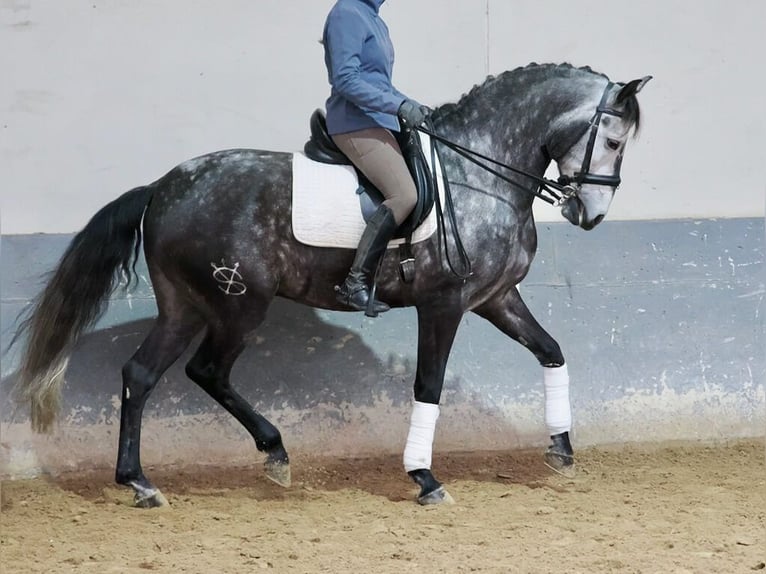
(321,148)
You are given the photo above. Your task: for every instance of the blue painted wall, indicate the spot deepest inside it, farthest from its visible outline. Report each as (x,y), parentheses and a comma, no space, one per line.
(661,323)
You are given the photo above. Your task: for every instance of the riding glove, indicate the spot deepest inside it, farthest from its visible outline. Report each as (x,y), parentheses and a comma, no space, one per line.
(412,114)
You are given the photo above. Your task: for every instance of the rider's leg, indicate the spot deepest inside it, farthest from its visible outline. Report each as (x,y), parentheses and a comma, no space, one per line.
(377,154)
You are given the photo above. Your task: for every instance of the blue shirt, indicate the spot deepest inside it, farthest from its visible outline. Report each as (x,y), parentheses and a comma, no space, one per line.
(360,58)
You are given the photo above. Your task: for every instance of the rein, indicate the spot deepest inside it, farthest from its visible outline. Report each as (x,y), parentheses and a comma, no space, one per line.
(565,188)
(565,185)
(465,261)
(475,157)
(545,184)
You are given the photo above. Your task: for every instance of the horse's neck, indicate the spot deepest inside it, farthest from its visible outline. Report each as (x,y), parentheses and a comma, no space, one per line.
(511,141)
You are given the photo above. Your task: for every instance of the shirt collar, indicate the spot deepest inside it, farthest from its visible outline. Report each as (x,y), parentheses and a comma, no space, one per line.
(374,4)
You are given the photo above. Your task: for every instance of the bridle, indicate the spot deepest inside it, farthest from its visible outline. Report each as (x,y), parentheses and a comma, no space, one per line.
(584,176)
(559,191)
(565,187)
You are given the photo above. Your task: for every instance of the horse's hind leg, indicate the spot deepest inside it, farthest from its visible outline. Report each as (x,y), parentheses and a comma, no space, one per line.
(511,315)
(164,344)
(210,368)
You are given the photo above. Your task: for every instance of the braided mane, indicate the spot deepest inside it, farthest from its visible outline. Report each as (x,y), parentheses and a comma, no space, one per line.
(535,73)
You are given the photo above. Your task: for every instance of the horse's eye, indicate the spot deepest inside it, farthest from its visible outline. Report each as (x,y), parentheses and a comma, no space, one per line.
(613,144)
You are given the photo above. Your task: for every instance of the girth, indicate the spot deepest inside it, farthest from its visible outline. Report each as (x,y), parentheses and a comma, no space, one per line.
(321,148)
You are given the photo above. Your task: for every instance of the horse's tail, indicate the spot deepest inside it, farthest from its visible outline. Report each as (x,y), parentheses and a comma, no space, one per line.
(74,298)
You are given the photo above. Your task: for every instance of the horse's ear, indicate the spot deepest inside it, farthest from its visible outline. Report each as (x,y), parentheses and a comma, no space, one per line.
(631,89)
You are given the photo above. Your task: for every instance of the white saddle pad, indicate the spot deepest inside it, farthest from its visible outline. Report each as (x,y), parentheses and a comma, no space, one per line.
(326,210)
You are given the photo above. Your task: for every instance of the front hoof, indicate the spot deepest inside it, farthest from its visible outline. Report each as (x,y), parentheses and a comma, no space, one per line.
(150,500)
(278,472)
(559,457)
(560,463)
(431,490)
(438,496)
(146,496)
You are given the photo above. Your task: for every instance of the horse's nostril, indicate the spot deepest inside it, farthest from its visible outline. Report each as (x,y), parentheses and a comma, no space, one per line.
(599,219)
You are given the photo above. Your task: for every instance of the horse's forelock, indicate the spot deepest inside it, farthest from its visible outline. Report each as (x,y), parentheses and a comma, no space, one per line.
(632,113)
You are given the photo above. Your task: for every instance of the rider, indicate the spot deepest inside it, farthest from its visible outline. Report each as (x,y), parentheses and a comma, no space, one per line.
(362,111)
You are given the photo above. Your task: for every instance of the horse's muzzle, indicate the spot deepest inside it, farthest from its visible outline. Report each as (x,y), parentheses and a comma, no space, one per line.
(574,212)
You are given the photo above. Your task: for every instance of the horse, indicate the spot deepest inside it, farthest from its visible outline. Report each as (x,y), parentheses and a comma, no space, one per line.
(236,204)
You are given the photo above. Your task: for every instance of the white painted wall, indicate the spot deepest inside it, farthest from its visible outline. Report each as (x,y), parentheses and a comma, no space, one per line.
(99,96)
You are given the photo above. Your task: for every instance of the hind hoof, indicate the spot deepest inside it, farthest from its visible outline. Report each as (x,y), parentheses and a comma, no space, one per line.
(278,472)
(150,500)
(438,496)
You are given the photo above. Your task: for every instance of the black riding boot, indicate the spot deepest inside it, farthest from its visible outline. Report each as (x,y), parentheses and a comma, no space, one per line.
(355,290)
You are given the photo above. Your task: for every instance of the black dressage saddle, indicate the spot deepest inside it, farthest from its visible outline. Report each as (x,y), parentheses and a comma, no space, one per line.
(321,148)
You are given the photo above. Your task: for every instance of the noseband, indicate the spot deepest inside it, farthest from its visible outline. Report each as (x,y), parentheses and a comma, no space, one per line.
(566,186)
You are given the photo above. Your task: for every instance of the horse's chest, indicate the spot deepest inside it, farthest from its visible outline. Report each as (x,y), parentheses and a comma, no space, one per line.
(520,249)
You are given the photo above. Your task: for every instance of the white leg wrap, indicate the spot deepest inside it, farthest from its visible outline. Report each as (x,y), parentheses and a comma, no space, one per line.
(558,414)
(417,452)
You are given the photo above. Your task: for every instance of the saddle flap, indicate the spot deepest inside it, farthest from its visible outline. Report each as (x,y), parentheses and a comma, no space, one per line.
(321,148)
(326,211)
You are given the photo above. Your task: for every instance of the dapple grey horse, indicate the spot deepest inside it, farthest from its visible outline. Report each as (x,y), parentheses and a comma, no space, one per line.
(237,204)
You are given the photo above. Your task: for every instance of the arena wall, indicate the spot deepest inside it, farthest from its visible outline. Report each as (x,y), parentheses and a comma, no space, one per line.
(658,310)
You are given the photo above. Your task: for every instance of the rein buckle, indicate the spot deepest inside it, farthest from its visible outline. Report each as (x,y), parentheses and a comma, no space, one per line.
(567,193)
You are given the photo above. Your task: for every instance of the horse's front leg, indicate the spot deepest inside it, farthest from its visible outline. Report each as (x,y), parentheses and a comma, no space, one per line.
(437,325)
(511,315)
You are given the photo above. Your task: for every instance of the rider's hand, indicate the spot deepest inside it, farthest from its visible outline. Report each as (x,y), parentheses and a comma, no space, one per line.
(412,114)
